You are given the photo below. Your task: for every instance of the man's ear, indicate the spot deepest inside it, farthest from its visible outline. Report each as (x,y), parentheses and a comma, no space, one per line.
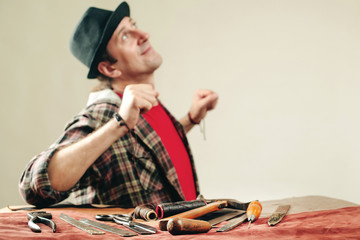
(107,69)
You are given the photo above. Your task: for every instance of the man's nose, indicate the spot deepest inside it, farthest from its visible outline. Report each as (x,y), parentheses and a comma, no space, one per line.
(141,35)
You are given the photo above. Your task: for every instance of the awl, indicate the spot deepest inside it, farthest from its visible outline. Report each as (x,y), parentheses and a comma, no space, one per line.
(253,212)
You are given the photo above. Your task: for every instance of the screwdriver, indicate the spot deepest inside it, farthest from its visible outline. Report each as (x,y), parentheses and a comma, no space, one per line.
(253,211)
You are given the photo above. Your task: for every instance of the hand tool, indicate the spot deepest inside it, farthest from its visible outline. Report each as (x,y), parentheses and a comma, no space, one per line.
(40,217)
(233,223)
(127,221)
(251,215)
(253,212)
(278,215)
(177,226)
(194,213)
(221,215)
(108,228)
(80,225)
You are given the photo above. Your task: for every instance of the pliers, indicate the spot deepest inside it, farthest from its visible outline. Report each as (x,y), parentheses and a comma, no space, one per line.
(40,217)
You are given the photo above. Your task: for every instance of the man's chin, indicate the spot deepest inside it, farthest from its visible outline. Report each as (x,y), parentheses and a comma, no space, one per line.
(157,61)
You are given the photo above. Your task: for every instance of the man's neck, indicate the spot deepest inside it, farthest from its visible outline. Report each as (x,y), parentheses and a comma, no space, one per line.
(119,84)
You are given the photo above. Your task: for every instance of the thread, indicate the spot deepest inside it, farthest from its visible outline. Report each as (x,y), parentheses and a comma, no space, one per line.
(146,212)
(172,208)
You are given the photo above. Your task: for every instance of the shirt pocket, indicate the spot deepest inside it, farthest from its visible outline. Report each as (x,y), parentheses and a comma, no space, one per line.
(146,169)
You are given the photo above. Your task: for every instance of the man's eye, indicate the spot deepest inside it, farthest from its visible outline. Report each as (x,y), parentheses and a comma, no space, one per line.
(124,36)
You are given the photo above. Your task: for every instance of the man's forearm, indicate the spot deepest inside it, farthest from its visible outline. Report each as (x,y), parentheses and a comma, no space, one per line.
(69,164)
(186,123)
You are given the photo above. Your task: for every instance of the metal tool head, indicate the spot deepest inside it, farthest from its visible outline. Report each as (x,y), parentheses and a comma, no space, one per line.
(123,218)
(233,223)
(40,217)
(110,217)
(39,213)
(126,221)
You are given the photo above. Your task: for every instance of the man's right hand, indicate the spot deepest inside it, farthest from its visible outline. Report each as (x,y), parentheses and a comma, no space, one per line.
(137,99)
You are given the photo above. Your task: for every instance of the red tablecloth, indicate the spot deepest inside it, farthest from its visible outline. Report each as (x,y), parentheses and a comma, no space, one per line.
(343,223)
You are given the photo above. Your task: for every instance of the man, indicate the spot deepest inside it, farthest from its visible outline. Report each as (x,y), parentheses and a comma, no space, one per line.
(124,148)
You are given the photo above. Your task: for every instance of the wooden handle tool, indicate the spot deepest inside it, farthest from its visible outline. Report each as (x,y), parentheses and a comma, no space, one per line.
(177,226)
(194,213)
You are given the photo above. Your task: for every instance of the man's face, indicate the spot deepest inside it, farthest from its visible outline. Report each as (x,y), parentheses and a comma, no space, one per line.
(132,49)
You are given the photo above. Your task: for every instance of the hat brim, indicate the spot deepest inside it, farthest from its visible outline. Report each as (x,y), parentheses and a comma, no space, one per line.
(120,12)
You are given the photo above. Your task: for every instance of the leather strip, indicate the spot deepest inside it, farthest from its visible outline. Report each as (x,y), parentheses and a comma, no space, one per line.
(278,215)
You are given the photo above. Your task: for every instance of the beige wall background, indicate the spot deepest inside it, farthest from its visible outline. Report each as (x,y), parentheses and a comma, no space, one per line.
(287,72)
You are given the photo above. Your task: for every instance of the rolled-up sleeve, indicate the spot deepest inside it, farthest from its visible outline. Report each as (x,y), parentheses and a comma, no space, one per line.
(35,186)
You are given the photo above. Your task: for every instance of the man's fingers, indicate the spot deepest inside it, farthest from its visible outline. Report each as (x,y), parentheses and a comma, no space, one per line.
(141,90)
(208,100)
(204,100)
(145,105)
(137,99)
(151,97)
(212,101)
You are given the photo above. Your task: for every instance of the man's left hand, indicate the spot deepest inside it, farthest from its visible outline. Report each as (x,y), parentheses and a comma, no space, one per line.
(204,101)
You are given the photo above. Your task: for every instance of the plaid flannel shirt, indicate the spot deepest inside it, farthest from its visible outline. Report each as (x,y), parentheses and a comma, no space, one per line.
(135,170)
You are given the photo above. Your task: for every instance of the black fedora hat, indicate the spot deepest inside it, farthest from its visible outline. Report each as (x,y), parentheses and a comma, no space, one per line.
(93,33)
